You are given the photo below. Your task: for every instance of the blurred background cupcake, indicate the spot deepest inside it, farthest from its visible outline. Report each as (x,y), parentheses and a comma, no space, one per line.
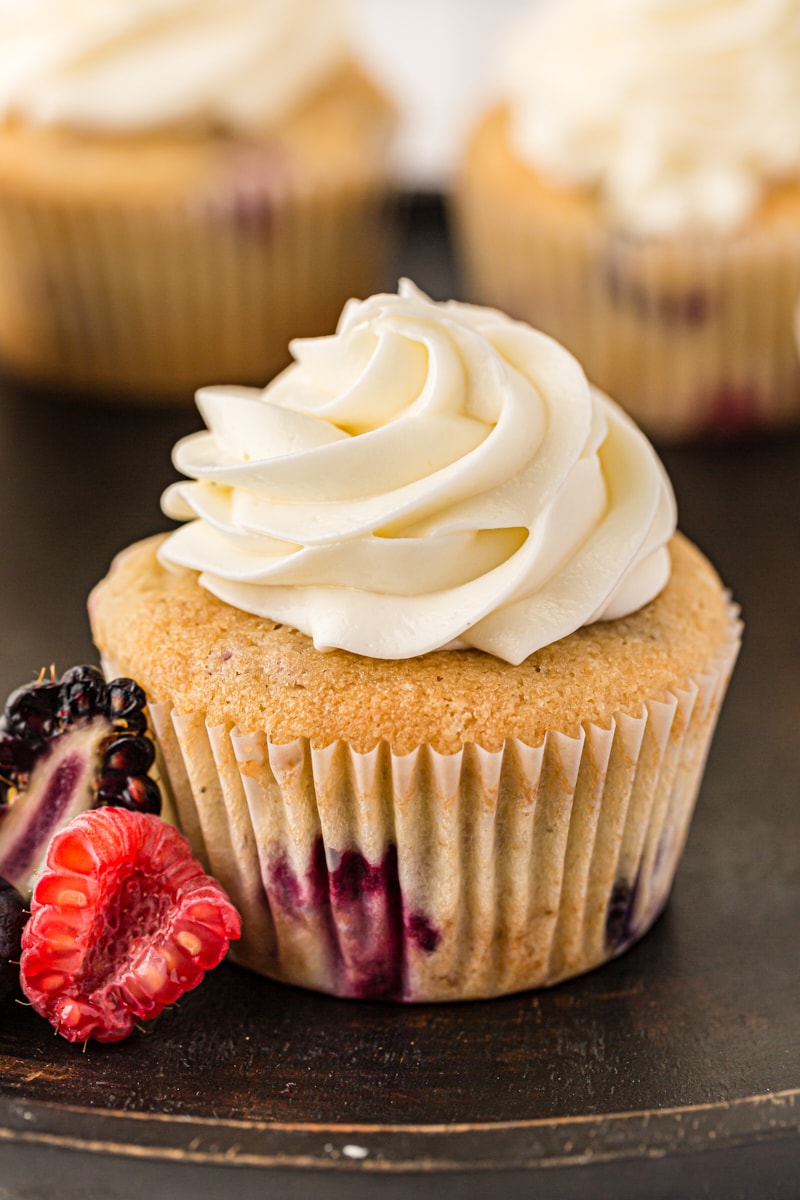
(635,191)
(184,184)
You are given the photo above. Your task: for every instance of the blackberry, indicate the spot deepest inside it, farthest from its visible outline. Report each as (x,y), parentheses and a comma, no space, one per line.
(133,755)
(16,756)
(68,745)
(82,693)
(141,794)
(31,712)
(12,921)
(125,703)
(110,786)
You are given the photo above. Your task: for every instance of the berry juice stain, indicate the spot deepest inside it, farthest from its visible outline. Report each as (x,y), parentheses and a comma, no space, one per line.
(369,933)
(625,279)
(283,886)
(420,931)
(248,185)
(621,928)
(731,410)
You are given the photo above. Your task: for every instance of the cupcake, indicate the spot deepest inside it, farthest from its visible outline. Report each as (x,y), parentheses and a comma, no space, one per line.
(183,187)
(635,191)
(432,673)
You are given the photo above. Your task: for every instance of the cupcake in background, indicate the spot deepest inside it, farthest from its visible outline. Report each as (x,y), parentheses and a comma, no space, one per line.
(184,185)
(433,676)
(635,191)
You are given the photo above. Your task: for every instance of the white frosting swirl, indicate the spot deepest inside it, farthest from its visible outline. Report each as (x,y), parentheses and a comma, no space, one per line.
(431,474)
(678,111)
(131,65)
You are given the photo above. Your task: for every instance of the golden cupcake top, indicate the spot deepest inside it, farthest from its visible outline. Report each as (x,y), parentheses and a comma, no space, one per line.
(201,655)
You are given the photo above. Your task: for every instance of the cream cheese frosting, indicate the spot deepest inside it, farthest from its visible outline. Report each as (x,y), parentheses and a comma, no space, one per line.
(677,111)
(433,475)
(135,65)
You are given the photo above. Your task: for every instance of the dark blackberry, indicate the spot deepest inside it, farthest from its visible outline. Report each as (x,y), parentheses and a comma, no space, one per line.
(16,756)
(68,746)
(83,693)
(125,703)
(12,921)
(140,794)
(131,755)
(110,787)
(125,782)
(31,712)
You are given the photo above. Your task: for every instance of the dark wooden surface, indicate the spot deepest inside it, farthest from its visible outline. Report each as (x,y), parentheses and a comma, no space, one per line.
(673,1072)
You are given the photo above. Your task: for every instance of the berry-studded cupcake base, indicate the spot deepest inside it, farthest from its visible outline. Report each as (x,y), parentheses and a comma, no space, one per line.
(424,876)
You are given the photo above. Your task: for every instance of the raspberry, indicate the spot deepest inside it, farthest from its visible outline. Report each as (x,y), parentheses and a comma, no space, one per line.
(123,922)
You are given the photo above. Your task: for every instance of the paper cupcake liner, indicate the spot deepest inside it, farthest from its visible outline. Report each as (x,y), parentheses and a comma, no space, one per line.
(691,336)
(153,301)
(423,876)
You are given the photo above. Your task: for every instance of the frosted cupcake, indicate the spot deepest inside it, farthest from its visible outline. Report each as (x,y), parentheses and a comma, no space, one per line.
(636,193)
(433,676)
(183,187)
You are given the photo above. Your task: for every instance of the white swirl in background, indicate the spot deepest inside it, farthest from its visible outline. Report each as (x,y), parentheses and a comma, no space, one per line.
(131,65)
(678,111)
(431,476)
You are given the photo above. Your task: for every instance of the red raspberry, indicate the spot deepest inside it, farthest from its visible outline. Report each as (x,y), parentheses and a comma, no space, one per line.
(123,922)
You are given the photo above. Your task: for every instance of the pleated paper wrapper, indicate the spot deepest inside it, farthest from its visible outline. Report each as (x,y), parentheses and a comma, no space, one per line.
(425,877)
